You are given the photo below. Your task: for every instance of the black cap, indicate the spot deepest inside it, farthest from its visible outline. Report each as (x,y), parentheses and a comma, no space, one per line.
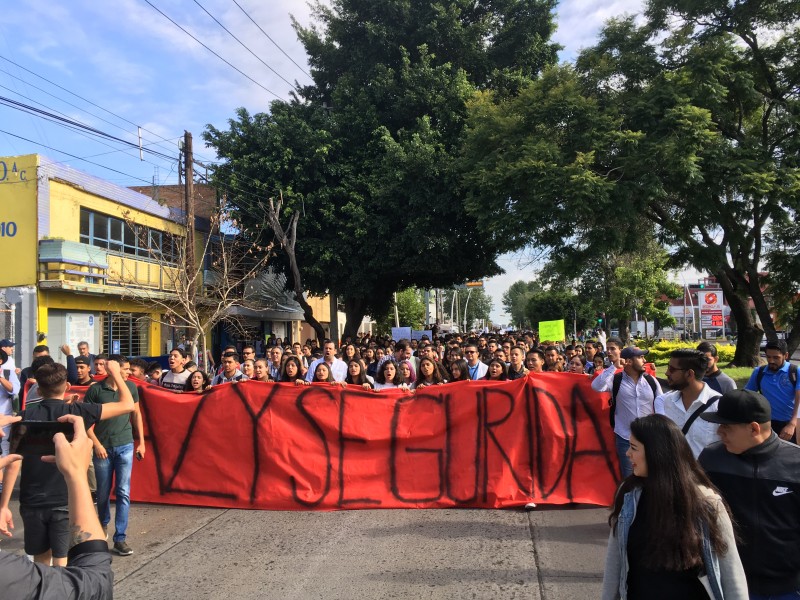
(740,406)
(6,343)
(631,351)
(82,360)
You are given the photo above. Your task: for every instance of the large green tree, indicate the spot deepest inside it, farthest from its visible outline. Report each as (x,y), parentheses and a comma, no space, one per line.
(620,284)
(369,151)
(687,122)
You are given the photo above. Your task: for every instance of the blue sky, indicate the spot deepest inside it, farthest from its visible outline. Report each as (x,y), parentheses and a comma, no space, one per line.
(125,57)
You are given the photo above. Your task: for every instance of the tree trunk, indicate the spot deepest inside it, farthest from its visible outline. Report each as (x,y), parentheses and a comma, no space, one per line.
(760,303)
(748,340)
(354,313)
(287,239)
(793,340)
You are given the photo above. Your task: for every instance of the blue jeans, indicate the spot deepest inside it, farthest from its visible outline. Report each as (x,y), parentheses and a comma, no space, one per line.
(625,466)
(787,596)
(118,464)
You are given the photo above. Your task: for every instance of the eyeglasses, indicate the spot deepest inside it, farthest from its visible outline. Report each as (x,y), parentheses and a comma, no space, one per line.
(470,352)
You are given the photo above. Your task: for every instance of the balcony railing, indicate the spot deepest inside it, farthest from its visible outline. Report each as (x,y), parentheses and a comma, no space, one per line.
(68,264)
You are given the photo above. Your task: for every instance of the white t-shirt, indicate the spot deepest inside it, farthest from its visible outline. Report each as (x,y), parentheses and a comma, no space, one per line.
(174,381)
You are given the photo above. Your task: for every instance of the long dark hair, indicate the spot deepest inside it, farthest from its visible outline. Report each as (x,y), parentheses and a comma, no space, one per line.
(187,387)
(463,368)
(677,510)
(362,373)
(503,372)
(316,369)
(284,377)
(381,376)
(436,376)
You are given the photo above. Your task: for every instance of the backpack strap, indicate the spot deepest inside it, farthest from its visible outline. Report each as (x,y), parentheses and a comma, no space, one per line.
(792,376)
(697,413)
(617,382)
(759,377)
(653,384)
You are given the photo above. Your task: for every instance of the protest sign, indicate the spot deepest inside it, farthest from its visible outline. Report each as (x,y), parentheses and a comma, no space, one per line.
(552,331)
(542,439)
(401,333)
(417,334)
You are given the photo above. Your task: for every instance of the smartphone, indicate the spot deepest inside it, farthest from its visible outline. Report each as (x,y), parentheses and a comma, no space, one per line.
(35,438)
(138,456)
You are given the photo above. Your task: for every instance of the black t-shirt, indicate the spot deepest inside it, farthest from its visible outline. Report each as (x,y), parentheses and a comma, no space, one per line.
(42,485)
(650,584)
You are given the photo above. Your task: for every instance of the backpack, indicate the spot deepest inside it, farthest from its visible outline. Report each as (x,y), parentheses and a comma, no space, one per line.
(792,376)
(615,390)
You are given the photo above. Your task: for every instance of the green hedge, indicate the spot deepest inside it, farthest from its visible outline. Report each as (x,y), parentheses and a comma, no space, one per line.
(661,350)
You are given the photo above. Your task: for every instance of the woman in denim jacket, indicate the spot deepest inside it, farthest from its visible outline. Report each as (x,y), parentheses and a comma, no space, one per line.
(671,534)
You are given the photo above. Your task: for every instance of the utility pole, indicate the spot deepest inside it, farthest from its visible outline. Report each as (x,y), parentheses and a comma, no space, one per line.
(189,204)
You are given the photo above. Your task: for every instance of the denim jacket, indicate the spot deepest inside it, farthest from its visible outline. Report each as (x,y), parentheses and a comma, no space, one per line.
(726,579)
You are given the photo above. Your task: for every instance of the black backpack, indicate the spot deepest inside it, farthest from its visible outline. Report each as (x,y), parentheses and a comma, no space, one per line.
(615,390)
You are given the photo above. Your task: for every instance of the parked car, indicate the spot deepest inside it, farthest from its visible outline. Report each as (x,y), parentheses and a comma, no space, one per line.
(781,336)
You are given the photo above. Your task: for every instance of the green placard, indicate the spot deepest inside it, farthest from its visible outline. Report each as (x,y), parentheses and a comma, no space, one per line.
(552,331)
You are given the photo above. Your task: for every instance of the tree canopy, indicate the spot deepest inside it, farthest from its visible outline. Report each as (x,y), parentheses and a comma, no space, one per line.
(369,151)
(686,124)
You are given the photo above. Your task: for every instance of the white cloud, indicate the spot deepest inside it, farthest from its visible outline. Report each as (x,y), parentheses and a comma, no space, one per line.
(579,21)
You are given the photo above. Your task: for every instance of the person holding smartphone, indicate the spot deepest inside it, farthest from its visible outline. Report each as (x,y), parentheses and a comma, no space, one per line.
(89,573)
(43,501)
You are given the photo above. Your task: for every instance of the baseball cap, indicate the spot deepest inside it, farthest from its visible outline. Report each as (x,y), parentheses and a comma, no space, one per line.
(631,351)
(740,406)
(6,343)
(82,360)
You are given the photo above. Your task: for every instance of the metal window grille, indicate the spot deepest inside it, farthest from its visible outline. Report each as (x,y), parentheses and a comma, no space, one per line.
(129,332)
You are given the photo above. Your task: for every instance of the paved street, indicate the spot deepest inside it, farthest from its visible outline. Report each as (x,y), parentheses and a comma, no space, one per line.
(184,552)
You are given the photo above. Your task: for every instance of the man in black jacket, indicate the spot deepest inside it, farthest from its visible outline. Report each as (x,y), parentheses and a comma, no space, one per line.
(758,474)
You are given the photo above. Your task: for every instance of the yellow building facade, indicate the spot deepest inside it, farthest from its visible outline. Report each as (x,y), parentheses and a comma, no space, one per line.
(81,257)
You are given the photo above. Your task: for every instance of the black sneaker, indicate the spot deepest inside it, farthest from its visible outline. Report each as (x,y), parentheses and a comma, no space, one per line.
(122,549)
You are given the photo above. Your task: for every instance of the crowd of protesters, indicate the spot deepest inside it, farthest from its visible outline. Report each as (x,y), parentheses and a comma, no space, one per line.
(708,507)
(379,363)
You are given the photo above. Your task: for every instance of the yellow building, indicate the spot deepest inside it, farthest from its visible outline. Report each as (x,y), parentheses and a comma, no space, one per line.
(82,259)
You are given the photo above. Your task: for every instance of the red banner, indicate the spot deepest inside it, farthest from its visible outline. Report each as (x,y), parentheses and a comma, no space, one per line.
(543,439)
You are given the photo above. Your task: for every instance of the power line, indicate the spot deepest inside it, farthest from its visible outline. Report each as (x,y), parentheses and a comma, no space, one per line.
(73,124)
(27,83)
(214,53)
(121,118)
(19,137)
(270,39)
(242,44)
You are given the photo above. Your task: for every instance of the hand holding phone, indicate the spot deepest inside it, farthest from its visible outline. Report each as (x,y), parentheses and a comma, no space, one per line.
(35,438)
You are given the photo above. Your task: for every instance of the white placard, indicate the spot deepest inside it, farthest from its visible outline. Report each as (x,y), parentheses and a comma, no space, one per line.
(80,328)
